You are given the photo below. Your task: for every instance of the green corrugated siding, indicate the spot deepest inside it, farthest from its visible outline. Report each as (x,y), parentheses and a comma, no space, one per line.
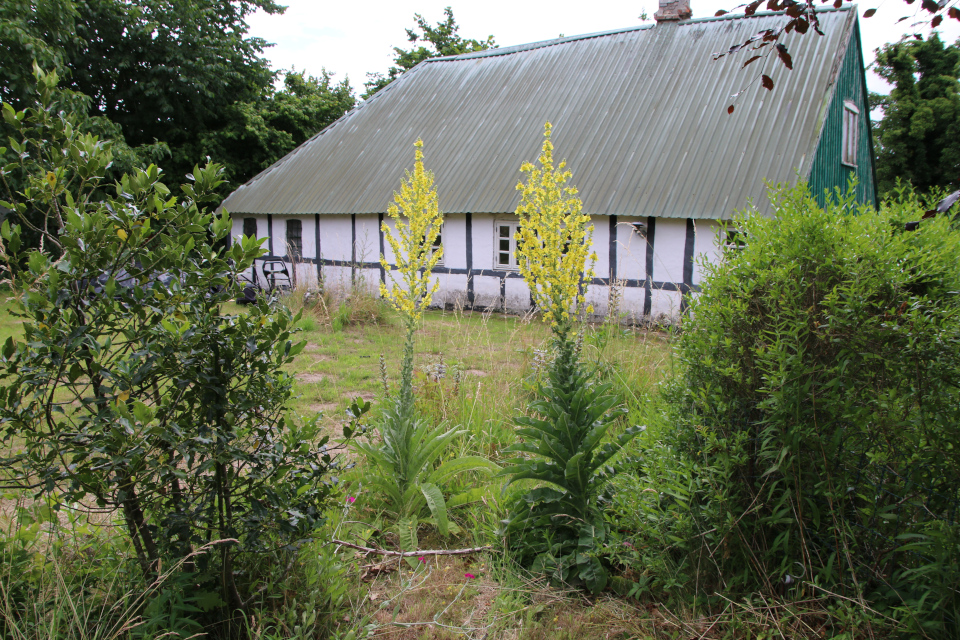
(827,172)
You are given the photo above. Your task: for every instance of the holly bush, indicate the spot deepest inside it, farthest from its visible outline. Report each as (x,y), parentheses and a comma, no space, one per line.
(134,389)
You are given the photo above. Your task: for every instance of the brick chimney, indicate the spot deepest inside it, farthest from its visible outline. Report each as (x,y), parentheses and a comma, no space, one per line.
(673,11)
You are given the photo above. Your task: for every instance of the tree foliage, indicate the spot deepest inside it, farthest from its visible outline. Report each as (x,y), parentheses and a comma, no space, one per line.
(259,132)
(31,31)
(443,40)
(169,81)
(918,138)
(168,70)
(801,19)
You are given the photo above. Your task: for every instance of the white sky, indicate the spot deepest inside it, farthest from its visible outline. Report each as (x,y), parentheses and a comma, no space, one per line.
(353,38)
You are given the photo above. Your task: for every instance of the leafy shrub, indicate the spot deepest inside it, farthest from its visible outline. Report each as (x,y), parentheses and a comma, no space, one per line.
(144,397)
(811,437)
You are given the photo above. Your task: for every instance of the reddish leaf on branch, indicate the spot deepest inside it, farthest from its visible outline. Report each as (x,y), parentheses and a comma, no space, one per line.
(869,13)
(720,13)
(767,82)
(730,109)
(750,60)
(930,6)
(802,25)
(954,13)
(936,21)
(785,56)
(837,4)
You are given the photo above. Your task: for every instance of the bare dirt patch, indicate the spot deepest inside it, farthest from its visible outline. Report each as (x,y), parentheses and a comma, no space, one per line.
(480,373)
(310,378)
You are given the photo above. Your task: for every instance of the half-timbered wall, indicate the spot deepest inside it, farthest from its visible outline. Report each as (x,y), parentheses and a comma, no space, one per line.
(653,262)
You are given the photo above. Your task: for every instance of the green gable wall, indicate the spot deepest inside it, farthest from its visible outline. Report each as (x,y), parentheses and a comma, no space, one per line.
(827,172)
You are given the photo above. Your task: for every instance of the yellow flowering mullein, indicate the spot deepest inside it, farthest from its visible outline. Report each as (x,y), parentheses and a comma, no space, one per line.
(564,445)
(554,240)
(417,219)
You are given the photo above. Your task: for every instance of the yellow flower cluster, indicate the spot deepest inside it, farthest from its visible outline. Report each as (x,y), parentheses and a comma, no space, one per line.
(555,238)
(417,219)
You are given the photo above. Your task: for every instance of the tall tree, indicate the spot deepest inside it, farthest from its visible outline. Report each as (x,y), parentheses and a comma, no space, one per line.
(259,132)
(32,31)
(919,137)
(443,40)
(168,69)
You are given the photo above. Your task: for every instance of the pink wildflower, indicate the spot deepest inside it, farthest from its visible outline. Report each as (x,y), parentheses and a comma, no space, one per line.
(351,499)
(469,575)
(423,560)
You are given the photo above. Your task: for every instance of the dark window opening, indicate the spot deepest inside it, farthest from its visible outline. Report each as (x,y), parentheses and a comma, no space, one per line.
(295,240)
(250,227)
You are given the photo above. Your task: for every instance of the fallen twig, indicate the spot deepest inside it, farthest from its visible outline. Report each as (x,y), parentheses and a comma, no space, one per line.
(413,554)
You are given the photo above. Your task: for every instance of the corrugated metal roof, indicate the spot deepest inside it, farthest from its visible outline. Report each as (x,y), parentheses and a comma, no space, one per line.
(639,114)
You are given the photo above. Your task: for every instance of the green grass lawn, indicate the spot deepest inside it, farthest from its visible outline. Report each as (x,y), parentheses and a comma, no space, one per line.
(485,358)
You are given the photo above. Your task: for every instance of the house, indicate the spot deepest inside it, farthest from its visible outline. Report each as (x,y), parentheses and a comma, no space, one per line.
(641,116)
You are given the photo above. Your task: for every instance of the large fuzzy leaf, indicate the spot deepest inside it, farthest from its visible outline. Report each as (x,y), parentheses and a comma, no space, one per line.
(471,495)
(438,507)
(457,466)
(407,532)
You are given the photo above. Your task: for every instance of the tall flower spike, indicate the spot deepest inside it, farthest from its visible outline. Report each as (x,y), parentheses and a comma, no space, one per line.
(417,220)
(555,237)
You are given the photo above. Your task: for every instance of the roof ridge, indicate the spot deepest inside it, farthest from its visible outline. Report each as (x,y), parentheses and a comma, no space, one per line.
(520,48)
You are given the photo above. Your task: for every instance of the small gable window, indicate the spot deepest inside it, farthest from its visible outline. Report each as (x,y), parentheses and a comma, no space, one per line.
(295,239)
(250,227)
(851,133)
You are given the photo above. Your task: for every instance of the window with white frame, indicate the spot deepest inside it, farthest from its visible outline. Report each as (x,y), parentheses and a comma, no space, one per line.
(851,133)
(505,245)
